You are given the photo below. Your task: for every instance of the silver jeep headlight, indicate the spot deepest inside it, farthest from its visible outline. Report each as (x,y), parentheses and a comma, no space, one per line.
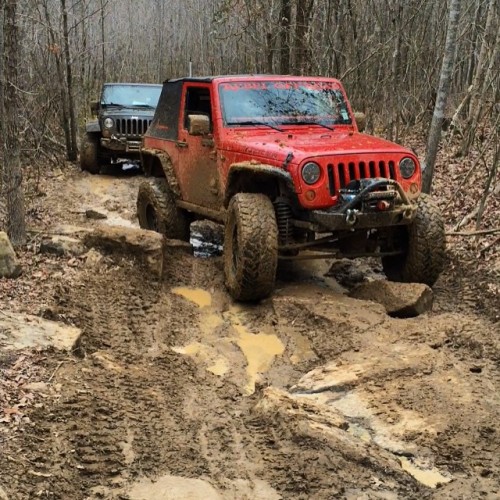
(108,123)
(407,167)
(311,173)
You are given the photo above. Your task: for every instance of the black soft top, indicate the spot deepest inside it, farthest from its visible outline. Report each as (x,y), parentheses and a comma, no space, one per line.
(208,79)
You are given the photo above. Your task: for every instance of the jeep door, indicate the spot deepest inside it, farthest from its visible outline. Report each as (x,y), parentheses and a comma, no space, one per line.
(196,156)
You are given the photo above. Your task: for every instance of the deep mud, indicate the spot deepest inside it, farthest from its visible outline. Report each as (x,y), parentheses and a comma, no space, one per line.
(174,391)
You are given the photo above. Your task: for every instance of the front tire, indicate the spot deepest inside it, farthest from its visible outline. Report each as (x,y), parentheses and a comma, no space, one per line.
(424,245)
(157,211)
(250,247)
(89,154)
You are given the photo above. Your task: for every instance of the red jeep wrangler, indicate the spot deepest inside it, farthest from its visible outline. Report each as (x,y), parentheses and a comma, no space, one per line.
(280,161)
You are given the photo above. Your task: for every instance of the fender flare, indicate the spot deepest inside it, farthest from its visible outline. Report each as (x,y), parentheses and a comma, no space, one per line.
(260,169)
(166,166)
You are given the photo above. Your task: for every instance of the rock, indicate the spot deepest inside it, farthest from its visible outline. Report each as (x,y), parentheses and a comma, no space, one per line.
(22,331)
(94,214)
(148,247)
(93,258)
(401,300)
(62,245)
(40,387)
(305,418)
(9,266)
(346,273)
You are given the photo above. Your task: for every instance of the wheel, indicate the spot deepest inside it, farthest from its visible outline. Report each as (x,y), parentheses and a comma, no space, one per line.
(157,211)
(89,154)
(250,247)
(424,243)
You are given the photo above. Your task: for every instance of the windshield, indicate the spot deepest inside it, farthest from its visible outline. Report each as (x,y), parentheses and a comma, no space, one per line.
(283,103)
(131,95)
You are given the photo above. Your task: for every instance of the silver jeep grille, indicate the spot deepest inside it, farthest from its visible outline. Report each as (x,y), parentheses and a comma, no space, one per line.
(132,126)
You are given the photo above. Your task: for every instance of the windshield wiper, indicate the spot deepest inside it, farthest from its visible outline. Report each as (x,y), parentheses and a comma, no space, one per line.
(255,122)
(113,104)
(306,122)
(146,106)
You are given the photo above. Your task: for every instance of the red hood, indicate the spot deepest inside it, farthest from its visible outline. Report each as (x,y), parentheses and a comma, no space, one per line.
(305,143)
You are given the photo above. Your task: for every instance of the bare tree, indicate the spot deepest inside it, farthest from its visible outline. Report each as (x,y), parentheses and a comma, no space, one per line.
(442,95)
(12,173)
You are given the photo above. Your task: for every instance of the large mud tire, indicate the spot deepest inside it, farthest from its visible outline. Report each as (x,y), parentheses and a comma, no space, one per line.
(250,247)
(424,245)
(157,211)
(89,154)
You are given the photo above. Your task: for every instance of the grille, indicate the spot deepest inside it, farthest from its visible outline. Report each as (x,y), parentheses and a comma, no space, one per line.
(340,174)
(132,126)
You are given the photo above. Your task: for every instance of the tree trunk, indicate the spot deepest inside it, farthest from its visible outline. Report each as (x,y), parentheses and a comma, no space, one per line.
(302,52)
(285,22)
(103,42)
(481,62)
(442,95)
(72,147)
(12,174)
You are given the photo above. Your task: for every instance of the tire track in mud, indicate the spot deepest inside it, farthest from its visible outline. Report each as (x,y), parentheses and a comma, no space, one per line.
(130,407)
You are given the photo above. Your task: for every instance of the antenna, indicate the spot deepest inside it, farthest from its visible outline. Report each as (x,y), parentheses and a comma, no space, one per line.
(190,68)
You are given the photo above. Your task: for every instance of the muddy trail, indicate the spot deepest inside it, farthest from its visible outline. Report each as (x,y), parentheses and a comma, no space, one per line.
(174,391)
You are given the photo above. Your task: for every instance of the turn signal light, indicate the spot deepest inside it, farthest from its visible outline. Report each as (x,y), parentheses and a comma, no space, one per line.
(310,195)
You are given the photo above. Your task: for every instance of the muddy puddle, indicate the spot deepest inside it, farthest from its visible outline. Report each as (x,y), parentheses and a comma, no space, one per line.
(215,352)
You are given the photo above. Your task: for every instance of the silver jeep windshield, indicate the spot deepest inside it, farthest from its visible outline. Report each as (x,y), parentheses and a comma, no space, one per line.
(283,103)
(131,95)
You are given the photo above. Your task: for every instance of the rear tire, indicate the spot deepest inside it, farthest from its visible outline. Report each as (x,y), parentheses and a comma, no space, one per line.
(250,247)
(157,211)
(424,244)
(89,154)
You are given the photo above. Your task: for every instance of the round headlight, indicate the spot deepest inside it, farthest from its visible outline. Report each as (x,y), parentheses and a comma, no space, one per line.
(108,122)
(407,167)
(311,173)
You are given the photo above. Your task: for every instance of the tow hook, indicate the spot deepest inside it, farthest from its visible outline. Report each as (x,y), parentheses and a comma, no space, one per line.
(407,214)
(351,217)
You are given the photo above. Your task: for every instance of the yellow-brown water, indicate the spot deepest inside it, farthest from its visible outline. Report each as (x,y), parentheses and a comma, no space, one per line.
(200,297)
(259,348)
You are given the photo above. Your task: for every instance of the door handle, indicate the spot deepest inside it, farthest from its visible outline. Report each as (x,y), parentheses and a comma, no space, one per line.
(181,144)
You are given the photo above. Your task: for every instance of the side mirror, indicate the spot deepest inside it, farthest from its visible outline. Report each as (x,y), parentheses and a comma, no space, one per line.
(360,120)
(94,107)
(198,124)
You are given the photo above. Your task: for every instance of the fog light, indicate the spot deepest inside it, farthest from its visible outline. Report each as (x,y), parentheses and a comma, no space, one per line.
(310,195)
(383,205)
(413,187)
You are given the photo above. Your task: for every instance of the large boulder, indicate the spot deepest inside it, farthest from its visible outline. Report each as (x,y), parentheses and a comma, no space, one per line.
(9,265)
(62,245)
(401,300)
(148,247)
(23,331)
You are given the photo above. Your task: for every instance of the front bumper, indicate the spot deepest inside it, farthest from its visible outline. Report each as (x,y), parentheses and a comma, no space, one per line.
(121,144)
(375,203)
(323,220)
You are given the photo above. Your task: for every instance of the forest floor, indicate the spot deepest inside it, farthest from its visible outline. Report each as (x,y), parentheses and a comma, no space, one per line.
(175,392)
